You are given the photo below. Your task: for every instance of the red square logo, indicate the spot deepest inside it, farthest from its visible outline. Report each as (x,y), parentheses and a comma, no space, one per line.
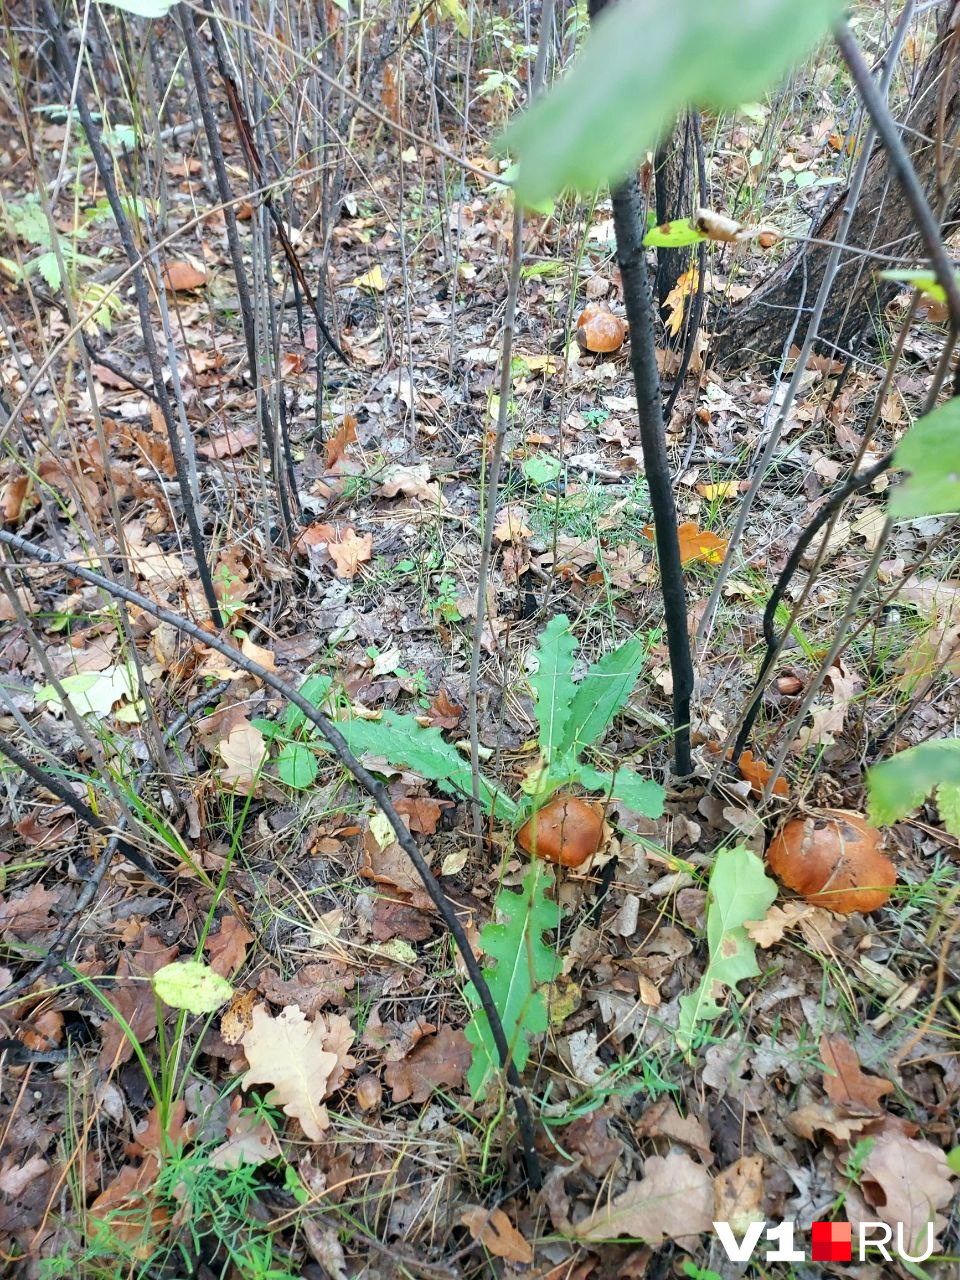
(831,1242)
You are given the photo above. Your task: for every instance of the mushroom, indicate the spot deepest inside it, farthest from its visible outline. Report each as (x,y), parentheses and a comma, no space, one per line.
(567,830)
(599,329)
(833,859)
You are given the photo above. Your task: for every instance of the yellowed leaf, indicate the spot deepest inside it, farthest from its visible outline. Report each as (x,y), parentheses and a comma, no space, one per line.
(243,752)
(494,1230)
(350,552)
(673,1201)
(303,1061)
(511,526)
(371,280)
(258,654)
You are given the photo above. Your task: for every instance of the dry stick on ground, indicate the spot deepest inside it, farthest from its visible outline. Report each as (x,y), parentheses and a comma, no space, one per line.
(105,169)
(374,788)
(493,473)
(823,295)
(212,129)
(56,948)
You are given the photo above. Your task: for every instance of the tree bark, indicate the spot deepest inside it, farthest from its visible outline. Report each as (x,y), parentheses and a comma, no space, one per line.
(758,327)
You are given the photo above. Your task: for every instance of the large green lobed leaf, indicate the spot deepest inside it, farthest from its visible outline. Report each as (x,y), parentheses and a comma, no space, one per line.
(553,685)
(739,891)
(930,451)
(523,963)
(601,693)
(898,785)
(644,61)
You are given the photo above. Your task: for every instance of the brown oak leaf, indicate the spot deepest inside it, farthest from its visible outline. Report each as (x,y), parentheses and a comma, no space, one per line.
(844,1083)
(434,1061)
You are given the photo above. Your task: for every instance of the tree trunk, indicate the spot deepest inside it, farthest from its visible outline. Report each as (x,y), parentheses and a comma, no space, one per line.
(759,326)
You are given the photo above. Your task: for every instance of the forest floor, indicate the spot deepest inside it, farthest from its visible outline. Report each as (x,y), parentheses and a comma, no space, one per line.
(828,1090)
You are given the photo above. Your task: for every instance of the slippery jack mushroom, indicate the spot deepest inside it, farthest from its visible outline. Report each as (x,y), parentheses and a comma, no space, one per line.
(567,831)
(600,330)
(833,860)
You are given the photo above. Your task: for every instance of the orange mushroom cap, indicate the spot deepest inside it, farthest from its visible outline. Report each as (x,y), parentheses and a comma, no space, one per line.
(599,329)
(567,830)
(833,859)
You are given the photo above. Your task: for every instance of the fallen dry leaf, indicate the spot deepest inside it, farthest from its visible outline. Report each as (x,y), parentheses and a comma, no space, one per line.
(229,444)
(227,948)
(778,921)
(344,436)
(843,1081)
(758,774)
(511,525)
(494,1230)
(442,713)
(673,1201)
(133,998)
(906,1180)
(696,544)
(350,552)
(243,751)
(435,1061)
(250,1140)
(303,1061)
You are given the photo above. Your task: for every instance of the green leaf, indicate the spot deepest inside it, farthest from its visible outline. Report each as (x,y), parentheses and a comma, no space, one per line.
(643,795)
(553,686)
(930,451)
(898,785)
(315,690)
(523,963)
(404,742)
(297,766)
(542,469)
(925,281)
(49,268)
(269,728)
(602,692)
(142,8)
(643,62)
(191,985)
(953,1160)
(739,891)
(673,235)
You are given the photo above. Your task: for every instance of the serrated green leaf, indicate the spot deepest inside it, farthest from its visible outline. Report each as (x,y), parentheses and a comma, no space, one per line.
(739,891)
(523,964)
(930,451)
(553,686)
(643,62)
(403,742)
(602,692)
(643,795)
(673,235)
(896,786)
(191,985)
(315,689)
(297,766)
(49,268)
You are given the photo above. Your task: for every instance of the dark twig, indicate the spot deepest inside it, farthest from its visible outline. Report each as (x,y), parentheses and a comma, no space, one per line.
(212,129)
(853,484)
(906,175)
(57,947)
(57,787)
(338,745)
(638,300)
(256,171)
(105,169)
